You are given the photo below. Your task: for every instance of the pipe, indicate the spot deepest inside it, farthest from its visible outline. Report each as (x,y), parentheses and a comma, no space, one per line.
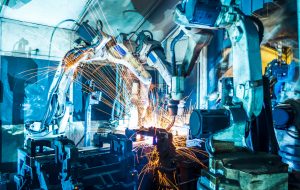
(173,58)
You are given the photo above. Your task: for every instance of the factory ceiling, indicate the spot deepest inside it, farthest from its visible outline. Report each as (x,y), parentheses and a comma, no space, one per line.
(133,15)
(124,16)
(46,12)
(117,16)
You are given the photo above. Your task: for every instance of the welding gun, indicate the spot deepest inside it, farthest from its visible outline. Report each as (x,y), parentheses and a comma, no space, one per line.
(151,52)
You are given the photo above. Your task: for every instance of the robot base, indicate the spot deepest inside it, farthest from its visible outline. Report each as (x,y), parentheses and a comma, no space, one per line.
(244,171)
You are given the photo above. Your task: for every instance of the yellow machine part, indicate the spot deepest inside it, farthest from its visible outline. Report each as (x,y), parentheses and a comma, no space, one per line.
(269,54)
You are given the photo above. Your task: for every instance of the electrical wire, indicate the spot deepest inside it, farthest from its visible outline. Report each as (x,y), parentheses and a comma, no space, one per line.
(54,30)
(173,57)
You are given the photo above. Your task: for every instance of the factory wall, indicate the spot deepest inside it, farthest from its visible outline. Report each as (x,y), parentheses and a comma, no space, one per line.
(23,39)
(25,87)
(25,62)
(25,83)
(23,52)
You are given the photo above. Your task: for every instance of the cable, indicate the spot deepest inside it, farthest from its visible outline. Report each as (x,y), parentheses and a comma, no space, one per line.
(99,26)
(52,34)
(173,57)
(80,140)
(142,37)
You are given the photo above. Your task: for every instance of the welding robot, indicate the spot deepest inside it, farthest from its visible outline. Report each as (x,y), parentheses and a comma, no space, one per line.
(232,162)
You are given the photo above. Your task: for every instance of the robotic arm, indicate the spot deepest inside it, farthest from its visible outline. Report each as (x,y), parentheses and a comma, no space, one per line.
(151,52)
(244,36)
(247,72)
(57,110)
(105,51)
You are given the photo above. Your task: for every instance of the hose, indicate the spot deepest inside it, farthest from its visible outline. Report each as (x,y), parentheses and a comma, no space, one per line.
(52,34)
(141,38)
(173,57)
